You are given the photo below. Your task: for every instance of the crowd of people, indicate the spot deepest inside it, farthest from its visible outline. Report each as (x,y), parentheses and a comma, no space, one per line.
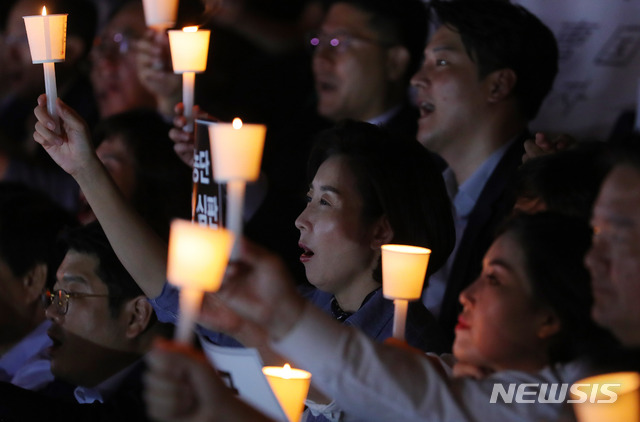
(404,122)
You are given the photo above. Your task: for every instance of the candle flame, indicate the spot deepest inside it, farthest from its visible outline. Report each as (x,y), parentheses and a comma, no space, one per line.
(237,123)
(286,371)
(190,29)
(44,10)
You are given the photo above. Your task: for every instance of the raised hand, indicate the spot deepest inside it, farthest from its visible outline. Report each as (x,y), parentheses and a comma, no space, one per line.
(153,65)
(260,289)
(181,385)
(72,149)
(185,141)
(541,145)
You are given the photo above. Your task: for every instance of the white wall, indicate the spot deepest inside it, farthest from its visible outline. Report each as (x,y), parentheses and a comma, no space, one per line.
(599,43)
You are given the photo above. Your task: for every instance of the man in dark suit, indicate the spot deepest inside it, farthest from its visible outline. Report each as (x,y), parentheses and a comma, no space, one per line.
(101,327)
(486,70)
(364,55)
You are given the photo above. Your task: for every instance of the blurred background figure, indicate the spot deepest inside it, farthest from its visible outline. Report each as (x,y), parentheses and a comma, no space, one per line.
(114,74)
(29,225)
(364,55)
(137,153)
(23,82)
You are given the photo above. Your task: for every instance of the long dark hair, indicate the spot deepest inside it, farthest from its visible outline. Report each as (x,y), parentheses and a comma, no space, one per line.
(397,178)
(554,246)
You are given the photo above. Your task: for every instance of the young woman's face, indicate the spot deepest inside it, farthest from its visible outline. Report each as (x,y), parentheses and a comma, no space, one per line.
(501,326)
(336,243)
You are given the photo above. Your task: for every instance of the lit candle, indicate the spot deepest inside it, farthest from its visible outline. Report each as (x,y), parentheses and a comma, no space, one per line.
(403,272)
(607,397)
(160,14)
(290,387)
(236,153)
(198,257)
(47,35)
(189,51)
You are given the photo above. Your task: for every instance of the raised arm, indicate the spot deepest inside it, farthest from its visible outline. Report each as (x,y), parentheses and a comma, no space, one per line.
(139,249)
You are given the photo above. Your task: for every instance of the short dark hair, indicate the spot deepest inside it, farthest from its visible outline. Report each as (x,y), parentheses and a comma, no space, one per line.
(30,223)
(397,178)
(626,151)
(498,35)
(568,181)
(554,246)
(163,182)
(401,22)
(91,240)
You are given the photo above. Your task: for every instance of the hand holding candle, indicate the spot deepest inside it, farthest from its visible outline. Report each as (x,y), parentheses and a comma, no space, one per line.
(47,35)
(290,387)
(403,272)
(236,154)
(198,257)
(189,51)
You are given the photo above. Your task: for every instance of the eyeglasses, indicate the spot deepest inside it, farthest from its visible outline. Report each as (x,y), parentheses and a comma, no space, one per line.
(339,42)
(60,299)
(112,45)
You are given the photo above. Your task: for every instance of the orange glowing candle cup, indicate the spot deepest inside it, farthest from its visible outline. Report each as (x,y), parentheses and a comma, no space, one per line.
(236,154)
(607,397)
(160,14)
(290,387)
(198,257)
(189,51)
(47,36)
(403,271)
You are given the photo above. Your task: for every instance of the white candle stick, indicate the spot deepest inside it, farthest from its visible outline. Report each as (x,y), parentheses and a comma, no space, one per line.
(403,271)
(47,36)
(236,153)
(189,52)
(400,307)
(235,207)
(197,259)
(52,93)
(188,88)
(190,303)
(160,14)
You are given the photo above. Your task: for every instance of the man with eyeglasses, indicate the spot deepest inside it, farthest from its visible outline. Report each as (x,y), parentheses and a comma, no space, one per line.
(101,327)
(363,57)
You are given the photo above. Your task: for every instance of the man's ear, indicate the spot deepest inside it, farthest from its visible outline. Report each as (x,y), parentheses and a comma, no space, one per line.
(382,233)
(34,282)
(549,325)
(397,62)
(501,84)
(139,312)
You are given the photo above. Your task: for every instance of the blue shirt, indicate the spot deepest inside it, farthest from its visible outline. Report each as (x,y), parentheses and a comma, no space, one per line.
(27,363)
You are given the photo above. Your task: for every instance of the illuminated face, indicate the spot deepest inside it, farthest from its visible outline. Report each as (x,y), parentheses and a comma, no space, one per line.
(351,78)
(614,258)
(451,97)
(87,341)
(499,324)
(337,247)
